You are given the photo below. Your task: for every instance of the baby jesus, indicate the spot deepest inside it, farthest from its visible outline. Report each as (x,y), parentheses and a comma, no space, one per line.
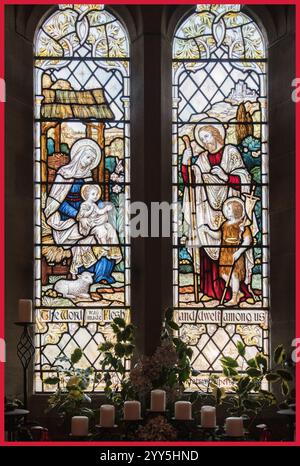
(94,226)
(91,215)
(236,237)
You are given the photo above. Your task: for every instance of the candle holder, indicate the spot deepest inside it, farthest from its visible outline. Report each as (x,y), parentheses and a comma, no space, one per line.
(12,420)
(80,438)
(210,433)
(106,433)
(25,352)
(99,427)
(228,438)
(132,421)
(151,413)
(185,428)
(129,427)
(290,415)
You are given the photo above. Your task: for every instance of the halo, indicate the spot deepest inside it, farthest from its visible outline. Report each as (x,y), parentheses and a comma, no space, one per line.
(234,199)
(209,122)
(87,187)
(86,143)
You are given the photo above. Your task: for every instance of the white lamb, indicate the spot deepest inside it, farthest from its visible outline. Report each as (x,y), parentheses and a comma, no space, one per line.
(78,288)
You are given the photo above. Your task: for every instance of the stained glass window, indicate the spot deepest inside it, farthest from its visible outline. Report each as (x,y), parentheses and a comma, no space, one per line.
(220,185)
(82,182)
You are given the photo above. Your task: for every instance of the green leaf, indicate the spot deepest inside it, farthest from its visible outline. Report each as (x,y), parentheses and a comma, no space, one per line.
(177,342)
(243,383)
(271,377)
(129,349)
(226,371)
(169,314)
(189,352)
(184,375)
(120,350)
(218,393)
(252,372)
(229,362)
(283,405)
(262,362)
(76,355)
(120,322)
(194,397)
(173,325)
(105,346)
(269,396)
(279,354)
(241,348)
(126,334)
(120,367)
(87,412)
(285,375)
(285,389)
(172,379)
(115,328)
(251,404)
(51,380)
(252,362)
(232,372)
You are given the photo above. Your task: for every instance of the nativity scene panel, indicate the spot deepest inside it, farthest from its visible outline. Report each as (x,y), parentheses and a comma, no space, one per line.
(82,184)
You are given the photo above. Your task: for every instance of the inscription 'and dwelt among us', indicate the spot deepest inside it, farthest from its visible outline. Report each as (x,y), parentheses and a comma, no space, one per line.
(221,316)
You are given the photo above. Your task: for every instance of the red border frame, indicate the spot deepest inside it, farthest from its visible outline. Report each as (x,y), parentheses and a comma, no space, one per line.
(2,237)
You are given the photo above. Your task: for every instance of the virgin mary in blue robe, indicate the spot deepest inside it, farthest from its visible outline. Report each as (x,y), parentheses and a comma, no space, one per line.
(62,207)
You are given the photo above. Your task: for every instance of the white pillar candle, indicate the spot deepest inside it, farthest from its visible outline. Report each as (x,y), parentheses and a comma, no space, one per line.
(158,400)
(80,426)
(132,410)
(208,417)
(107,416)
(183,410)
(234,426)
(25,310)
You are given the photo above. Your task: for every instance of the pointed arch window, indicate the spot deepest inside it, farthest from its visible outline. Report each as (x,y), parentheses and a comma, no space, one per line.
(220,182)
(82,184)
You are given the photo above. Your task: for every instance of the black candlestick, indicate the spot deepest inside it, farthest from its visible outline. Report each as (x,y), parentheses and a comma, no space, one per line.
(185,428)
(25,351)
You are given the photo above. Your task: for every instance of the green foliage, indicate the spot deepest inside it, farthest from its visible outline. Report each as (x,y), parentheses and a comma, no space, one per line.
(76,356)
(247,397)
(229,362)
(113,363)
(241,348)
(279,355)
(171,361)
(70,398)
(180,374)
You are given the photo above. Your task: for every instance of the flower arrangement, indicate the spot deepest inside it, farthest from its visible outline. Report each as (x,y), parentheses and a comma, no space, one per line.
(156,429)
(169,368)
(70,398)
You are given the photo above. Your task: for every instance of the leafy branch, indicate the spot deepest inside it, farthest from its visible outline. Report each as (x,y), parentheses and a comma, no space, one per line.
(70,398)
(115,354)
(248,397)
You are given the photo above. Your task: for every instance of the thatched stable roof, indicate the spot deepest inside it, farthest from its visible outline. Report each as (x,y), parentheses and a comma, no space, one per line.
(69,104)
